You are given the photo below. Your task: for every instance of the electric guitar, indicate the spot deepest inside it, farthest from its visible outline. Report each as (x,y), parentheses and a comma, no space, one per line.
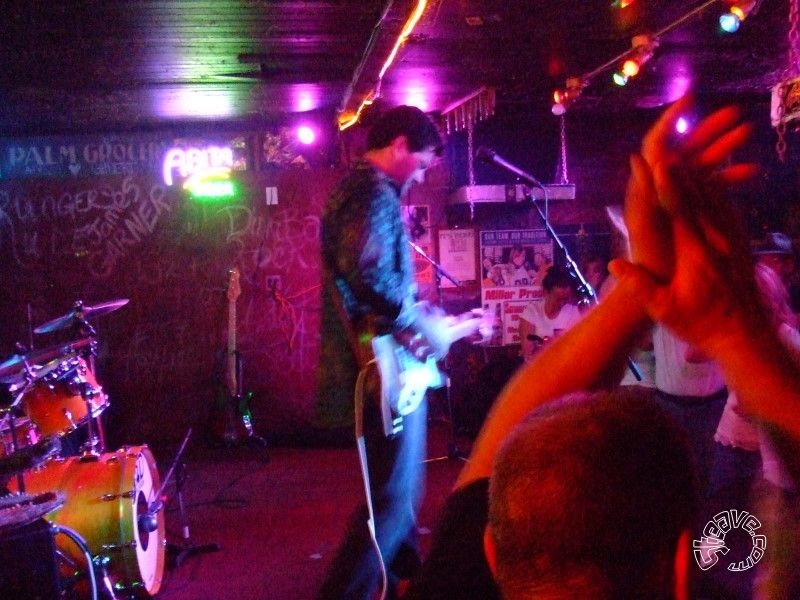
(233,421)
(405,378)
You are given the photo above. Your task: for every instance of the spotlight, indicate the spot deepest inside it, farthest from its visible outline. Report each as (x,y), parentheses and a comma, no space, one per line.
(306,134)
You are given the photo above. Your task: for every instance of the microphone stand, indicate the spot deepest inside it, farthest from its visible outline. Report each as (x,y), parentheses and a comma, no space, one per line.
(148,520)
(583,287)
(453,451)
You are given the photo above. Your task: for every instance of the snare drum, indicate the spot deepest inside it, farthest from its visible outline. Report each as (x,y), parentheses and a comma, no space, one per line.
(57,402)
(104,499)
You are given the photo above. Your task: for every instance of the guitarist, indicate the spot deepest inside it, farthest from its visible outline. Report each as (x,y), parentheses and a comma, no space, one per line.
(369,290)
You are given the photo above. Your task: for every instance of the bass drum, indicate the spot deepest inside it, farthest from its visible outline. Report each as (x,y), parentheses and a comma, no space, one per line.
(104,499)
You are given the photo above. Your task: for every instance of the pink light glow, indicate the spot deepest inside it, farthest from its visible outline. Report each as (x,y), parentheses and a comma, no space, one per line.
(306,134)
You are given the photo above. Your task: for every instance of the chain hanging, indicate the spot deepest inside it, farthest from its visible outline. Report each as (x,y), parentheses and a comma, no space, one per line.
(561,168)
(471,166)
(789,72)
(464,114)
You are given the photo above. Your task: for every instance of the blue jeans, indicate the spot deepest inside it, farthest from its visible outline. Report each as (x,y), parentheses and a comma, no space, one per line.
(397,479)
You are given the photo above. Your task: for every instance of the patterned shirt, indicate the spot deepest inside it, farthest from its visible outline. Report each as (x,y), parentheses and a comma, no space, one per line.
(366,263)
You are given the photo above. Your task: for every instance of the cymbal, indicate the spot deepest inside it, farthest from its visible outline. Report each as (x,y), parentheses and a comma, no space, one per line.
(80,312)
(30,457)
(14,364)
(20,509)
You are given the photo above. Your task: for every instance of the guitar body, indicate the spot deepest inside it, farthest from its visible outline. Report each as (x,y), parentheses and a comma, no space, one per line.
(230,422)
(405,379)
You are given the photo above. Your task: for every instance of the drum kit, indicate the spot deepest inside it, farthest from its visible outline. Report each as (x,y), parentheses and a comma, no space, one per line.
(107,537)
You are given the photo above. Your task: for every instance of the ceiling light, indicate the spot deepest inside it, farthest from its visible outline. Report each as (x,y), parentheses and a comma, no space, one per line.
(642,50)
(737,12)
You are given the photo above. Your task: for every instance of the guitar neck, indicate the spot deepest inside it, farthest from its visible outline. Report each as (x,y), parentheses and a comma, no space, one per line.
(231,370)
(464,328)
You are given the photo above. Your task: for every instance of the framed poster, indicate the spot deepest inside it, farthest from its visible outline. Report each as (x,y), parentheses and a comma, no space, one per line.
(417,221)
(513,264)
(457,255)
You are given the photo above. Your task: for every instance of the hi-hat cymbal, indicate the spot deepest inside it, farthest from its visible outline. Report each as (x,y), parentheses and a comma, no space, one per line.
(20,509)
(80,312)
(16,363)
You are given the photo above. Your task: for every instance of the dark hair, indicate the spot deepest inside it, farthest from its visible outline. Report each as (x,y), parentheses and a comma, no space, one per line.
(593,491)
(410,122)
(557,277)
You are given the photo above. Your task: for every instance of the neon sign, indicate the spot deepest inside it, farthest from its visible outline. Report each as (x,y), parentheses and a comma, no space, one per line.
(211,184)
(191,161)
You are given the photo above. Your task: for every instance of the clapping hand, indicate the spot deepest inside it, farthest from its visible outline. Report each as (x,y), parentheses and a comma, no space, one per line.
(689,254)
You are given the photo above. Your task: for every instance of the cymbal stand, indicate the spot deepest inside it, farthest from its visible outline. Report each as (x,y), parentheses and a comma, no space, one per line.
(92,448)
(187,549)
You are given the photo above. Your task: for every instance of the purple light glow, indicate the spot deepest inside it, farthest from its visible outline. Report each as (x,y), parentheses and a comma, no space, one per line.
(306,134)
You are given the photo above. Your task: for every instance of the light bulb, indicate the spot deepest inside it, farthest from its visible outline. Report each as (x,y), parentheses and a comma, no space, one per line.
(620,78)
(729,22)
(630,68)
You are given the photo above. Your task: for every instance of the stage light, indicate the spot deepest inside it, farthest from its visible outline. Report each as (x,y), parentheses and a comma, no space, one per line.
(681,125)
(306,135)
(562,99)
(737,12)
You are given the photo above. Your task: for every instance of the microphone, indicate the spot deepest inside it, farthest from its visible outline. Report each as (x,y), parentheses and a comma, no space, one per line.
(490,156)
(148,521)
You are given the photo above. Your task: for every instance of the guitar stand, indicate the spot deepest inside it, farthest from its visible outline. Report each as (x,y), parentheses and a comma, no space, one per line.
(180,552)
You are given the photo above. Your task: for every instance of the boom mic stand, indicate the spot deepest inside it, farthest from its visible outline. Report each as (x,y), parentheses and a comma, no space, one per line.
(148,521)
(584,287)
(453,451)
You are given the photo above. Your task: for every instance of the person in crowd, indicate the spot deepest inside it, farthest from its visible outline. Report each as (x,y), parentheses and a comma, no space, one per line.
(544,318)
(685,272)
(595,271)
(568,494)
(369,290)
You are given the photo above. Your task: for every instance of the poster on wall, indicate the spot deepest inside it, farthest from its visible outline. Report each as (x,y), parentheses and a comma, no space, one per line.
(457,255)
(513,264)
(417,220)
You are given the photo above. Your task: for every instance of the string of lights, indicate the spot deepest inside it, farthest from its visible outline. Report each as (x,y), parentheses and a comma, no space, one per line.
(629,63)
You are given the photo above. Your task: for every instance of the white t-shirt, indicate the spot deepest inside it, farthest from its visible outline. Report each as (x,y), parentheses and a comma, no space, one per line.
(677,376)
(543,325)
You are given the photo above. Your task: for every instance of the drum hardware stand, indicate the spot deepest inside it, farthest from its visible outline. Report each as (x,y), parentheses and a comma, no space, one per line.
(91,448)
(148,520)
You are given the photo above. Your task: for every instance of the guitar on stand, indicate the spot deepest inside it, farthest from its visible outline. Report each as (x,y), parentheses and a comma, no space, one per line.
(231,419)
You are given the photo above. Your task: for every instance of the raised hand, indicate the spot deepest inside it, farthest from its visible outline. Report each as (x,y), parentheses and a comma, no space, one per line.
(688,245)
(703,156)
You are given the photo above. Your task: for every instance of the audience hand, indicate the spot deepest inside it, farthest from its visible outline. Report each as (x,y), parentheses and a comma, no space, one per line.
(701,153)
(686,240)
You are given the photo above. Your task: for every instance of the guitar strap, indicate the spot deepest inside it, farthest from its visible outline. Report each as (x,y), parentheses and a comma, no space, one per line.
(362,352)
(365,360)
